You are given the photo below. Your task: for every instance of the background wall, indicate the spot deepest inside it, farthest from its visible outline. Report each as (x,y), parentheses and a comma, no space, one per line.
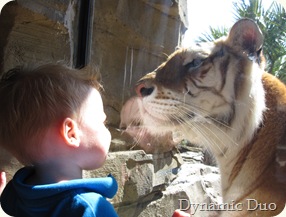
(128,39)
(31,31)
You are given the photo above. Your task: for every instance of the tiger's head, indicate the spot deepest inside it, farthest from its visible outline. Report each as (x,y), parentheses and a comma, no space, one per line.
(209,92)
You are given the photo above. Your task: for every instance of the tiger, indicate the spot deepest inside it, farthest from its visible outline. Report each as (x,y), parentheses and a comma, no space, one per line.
(217,95)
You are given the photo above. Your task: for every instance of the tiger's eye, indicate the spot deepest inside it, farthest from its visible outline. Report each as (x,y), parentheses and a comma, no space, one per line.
(195,63)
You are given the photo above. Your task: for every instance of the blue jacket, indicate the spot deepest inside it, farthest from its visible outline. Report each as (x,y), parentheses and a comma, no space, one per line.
(75,198)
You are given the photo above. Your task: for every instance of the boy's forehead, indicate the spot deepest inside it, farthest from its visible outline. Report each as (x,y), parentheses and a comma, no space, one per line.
(92,108)
(94,94)
(94,98)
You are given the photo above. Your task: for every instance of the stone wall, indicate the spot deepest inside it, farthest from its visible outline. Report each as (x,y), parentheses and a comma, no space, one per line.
(129,38)
(152,185)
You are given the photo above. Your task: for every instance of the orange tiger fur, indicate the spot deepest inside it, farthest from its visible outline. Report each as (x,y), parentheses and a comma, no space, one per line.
(218,96)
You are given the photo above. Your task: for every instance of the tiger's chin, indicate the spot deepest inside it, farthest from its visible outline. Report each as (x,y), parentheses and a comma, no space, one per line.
(156,135)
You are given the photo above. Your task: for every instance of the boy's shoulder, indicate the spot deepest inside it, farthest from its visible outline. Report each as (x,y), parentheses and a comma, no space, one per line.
(92,196)
(93,204)
(81,197)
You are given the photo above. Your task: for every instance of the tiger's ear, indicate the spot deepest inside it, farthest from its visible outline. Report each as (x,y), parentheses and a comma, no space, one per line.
(245,35)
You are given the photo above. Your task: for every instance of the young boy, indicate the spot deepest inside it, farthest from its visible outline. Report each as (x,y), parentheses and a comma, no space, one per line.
(52,121)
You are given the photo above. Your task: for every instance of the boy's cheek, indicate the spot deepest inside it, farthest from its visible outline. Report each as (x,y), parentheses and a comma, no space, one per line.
(105,135)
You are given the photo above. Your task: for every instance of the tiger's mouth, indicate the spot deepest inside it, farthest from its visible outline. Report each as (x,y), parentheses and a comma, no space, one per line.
(145,133)
(172,120)
(183,119)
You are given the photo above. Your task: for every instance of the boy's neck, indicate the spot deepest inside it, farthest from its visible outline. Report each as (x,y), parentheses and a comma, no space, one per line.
(53,173)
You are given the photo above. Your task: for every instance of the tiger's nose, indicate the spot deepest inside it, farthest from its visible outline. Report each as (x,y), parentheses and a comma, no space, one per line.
(143,91)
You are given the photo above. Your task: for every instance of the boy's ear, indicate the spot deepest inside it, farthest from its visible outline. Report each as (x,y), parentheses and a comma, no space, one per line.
(70,132)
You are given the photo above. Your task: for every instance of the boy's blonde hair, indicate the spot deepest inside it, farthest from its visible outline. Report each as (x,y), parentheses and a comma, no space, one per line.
(33,99)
